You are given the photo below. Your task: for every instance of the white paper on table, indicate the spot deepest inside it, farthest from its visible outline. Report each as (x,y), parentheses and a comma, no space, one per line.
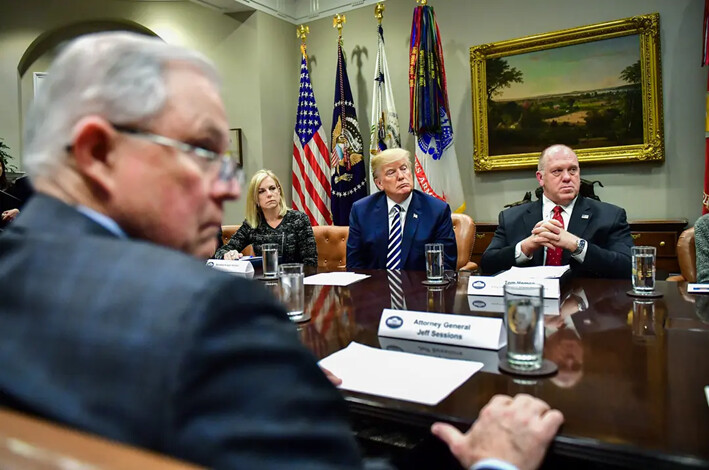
(695,288)
(400,375)
(337,278)
(533,272)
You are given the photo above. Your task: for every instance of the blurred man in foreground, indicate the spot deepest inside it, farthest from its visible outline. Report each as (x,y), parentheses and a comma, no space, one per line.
(110,322)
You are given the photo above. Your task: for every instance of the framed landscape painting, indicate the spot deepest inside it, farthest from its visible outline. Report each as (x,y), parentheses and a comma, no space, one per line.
(595,88)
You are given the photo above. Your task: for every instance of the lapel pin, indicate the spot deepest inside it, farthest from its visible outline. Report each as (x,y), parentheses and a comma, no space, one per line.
(585,216)
(416,216)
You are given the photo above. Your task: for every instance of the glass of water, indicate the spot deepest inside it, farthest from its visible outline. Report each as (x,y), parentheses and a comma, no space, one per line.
(269,252)
(525,325)
(643,262)
(434,262)
(293,291)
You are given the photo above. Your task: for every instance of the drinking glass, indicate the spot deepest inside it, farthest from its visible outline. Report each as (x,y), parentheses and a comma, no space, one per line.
(269,252)
(643,262)
(434,262)
(525,325)
(293,291)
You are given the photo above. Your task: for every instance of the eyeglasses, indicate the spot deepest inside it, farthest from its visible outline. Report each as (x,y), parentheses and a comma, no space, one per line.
(222,164)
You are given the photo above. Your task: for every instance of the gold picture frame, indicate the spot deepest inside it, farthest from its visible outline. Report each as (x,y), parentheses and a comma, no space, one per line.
(644,84)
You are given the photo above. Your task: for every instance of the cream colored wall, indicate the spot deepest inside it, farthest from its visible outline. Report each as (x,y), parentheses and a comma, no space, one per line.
(230,41)
(670,189)
(258,57)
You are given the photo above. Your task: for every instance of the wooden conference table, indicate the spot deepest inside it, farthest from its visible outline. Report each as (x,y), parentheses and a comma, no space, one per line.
(631,381)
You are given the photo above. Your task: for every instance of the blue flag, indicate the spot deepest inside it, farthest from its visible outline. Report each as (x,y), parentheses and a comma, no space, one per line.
(346,162)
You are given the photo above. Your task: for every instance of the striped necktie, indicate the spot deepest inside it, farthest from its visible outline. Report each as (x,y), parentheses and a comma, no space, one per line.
(394,247)
(396,290)
(554,254)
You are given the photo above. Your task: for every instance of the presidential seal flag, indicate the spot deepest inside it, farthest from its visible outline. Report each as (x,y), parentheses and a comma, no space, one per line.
(384,131)
(311,166)
(346,160)
(436,165)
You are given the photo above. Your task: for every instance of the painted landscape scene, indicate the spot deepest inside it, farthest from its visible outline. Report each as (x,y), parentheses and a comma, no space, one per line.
(585,96)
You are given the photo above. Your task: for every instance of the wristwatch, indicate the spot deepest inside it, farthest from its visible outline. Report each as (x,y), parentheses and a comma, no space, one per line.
(580,245)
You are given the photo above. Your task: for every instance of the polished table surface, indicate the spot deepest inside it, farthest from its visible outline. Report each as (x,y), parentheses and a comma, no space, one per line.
(632,373)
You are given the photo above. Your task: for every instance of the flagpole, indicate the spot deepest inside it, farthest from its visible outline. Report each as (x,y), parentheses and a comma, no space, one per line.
(379,12)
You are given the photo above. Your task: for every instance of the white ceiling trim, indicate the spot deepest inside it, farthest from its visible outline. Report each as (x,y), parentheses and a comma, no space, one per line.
(293,11)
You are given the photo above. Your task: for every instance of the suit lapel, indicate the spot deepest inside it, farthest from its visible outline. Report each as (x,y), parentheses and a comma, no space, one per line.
(413,214)
(578,222)
(531,217)
(380,215)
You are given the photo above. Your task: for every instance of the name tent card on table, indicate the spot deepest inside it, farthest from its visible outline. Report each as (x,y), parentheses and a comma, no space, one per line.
(238,267)
(459,330)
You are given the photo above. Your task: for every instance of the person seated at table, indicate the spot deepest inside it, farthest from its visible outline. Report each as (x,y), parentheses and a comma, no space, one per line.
(133,338)
(10,201)
(701,245)
(390,228)
(563,227)
(268,220)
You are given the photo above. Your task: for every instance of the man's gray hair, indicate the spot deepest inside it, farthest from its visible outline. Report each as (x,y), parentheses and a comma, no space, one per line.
(388,156)
(119,76)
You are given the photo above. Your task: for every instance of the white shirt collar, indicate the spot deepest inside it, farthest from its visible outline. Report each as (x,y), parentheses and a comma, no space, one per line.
(548,206)
(404,204)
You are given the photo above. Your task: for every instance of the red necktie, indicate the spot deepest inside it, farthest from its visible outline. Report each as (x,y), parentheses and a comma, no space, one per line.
(554,255)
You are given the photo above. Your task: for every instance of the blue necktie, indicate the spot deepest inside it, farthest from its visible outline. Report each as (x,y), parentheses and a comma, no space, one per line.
(394,247)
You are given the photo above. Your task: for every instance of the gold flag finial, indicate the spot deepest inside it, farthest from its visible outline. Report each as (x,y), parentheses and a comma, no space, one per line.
(302,32)
(422,2)
(338,21)
(379,12)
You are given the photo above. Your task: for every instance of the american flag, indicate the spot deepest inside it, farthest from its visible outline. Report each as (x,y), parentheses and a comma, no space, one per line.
(311,165)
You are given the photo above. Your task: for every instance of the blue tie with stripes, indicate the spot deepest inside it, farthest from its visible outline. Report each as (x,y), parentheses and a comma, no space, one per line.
(394,247)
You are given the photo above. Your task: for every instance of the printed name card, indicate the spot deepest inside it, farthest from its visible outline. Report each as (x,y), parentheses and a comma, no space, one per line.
(489,303)
(489,285)
(239,267)
(459,330)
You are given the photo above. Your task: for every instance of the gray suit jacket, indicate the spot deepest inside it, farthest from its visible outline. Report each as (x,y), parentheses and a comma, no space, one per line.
(145,345)
(604,226)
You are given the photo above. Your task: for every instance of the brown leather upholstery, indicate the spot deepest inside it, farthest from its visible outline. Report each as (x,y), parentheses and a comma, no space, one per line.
(228,231)
(687,257)
(46,446)
(464,229)
(332,246)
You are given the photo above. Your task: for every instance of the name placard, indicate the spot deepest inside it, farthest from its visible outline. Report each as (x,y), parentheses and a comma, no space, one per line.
(459,330)
(490,285)
(489,303)
(239,267)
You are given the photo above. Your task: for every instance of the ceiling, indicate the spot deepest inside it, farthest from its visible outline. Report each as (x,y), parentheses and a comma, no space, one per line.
(294,11)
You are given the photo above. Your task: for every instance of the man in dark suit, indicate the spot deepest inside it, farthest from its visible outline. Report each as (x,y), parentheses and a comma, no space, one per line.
(398,209)
(562,228)
(110,322)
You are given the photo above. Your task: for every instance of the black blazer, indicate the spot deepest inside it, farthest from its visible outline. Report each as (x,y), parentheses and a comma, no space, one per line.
(603,226)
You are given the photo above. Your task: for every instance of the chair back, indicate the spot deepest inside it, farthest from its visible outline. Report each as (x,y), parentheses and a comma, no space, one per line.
(228,231)
(464,229)
(331,241)
(687,255)
(46,445)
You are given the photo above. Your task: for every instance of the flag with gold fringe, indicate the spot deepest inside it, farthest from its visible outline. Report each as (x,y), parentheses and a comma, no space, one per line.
(384,131)
(436,165)
(346,154)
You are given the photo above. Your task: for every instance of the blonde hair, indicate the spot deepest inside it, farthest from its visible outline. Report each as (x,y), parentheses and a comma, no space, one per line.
(253,211)
(388,156)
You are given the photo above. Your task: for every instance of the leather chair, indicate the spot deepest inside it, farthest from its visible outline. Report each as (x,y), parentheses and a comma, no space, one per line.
(228,231)
(332,246)
(464,229)
(687,257)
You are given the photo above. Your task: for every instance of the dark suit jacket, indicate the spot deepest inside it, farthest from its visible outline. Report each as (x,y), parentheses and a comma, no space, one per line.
(603,226)
(145,345)
(428,220)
